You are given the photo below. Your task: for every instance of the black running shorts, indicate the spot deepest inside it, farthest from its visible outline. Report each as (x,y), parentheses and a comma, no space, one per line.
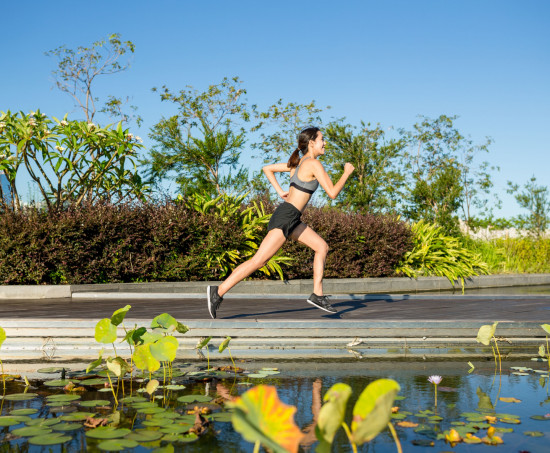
(286,217)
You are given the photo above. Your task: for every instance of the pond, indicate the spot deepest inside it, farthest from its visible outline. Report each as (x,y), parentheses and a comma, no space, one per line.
(469,399)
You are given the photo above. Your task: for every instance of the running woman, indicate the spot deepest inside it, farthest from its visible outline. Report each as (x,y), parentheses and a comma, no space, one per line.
(306,173)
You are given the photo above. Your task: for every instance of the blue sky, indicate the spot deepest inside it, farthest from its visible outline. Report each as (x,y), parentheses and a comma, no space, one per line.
(380,61)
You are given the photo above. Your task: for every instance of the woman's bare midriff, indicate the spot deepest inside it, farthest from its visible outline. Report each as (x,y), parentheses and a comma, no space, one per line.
(298,199)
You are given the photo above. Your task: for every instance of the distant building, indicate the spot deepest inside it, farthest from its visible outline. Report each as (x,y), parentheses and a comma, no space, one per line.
(6,189)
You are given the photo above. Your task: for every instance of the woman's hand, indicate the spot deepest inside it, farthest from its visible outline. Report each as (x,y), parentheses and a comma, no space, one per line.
(284,195)
(348,168)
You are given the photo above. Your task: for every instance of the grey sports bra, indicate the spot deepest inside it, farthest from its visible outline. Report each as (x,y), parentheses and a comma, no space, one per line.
(304,186)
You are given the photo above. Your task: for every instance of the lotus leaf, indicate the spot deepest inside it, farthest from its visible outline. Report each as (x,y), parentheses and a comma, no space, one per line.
(10,420)
(105,331)
(50,370)
(62,398)
(165,322)
(133,337)
(546,328)
(151,386)
(203,343)
(2,336)
(259,415)
(164,350)
(194,398)
(118,366)
(331,415)
(107,432)
(143,358)
(174,387)
(133,399)
(60,382)
(485,333)
(151,337)
(44,422)
(117,444)
(50,439)
(94,403)
(76,417)
(144,435)
(28,431)
(118,316)
(20,396)
(182,328)
(372,412)
(175,429)
(24,411)
(66,426)
(222,416)
(158,421)
(224,344)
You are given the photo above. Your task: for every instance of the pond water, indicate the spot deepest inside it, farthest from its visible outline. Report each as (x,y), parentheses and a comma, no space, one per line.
(464,399)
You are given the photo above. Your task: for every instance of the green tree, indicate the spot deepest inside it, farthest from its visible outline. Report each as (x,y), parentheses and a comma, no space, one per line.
(376,184)
(200,146)
(279,126)
(71,162)
(78,69)
(535,199)
(435,189)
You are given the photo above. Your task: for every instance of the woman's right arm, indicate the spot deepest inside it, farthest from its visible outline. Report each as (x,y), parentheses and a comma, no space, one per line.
(321,175)
(270,170)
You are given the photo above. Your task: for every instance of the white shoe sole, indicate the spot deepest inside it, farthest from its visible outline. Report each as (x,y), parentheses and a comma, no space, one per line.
(321,308)
(209,302)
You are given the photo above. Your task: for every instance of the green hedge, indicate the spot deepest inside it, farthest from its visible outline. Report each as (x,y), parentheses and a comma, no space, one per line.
(172,242)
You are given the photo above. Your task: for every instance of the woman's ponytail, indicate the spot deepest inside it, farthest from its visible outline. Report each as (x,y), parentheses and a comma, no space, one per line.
(294,159)
(304,137)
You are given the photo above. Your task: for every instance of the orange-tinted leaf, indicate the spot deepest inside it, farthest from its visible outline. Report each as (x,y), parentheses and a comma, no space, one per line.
(471,439)
(510,400)
(259,415)
(491,419)
(406,424)
(395,409)
(453,436)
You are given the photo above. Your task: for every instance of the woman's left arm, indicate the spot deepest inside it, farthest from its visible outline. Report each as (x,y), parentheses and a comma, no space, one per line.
(270,170)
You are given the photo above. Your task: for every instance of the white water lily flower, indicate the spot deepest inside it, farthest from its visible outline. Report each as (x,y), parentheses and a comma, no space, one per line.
(435,379)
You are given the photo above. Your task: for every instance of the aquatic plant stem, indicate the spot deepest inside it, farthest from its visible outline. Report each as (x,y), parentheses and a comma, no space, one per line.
(232,361)
(257,447)
(113,390)
(435,389)
(3,377)
(395,438)
(348,433)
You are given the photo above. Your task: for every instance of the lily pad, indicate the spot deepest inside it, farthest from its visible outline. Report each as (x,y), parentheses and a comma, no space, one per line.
(11,420)
(257,375)
(540,417)
(50,439)
(29,431)
(533,433)
(95,381)
(400,397)
(511,421)
(499,429)
(398,416)
(94,403)
(174,387)
(194,398)
(66,426)
(25,411)
(423,442)
(50,370)
(43,422)
(20,396)
(144,435)
(222,416)
(62,398)
(175,429)
(117,444)
(158,422)
(518,373)
(151,410)
(107,432)
(60,383)
(133,399)
(539,359)
(76,416)
(269,372)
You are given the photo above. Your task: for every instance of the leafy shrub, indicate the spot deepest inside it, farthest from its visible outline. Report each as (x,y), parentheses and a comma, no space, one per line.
(437,254)
(172,242)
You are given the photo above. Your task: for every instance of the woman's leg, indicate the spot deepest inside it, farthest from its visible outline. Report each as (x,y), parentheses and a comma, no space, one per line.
(307,236)
(273,241)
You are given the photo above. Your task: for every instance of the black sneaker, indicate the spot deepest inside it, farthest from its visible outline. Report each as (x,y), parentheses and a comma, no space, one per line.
(214,300)
(321,302)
